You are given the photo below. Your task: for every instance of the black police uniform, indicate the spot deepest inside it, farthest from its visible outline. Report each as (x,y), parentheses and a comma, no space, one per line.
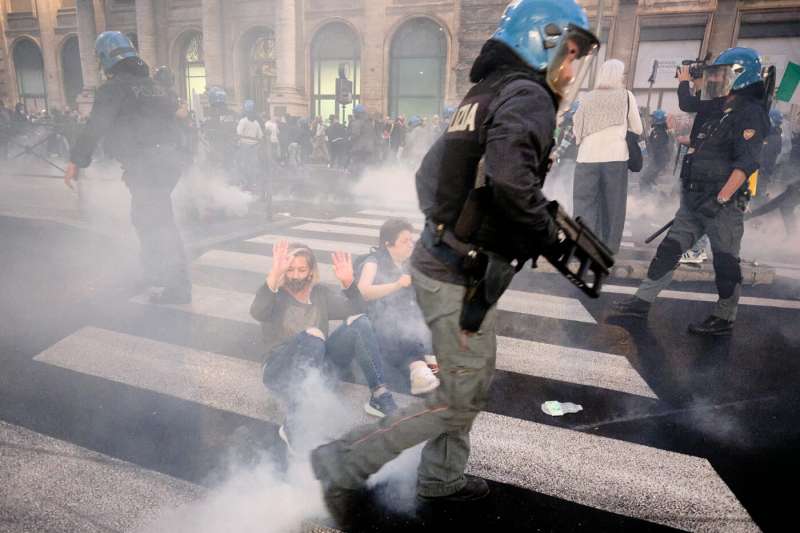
(720,145)
(135,119)
(508,119)
(658,149)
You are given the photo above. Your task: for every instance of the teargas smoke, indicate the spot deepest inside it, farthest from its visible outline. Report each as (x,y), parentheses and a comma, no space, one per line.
(259,495)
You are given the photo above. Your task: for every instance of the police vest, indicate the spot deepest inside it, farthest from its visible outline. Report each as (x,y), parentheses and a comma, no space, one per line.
(146,117)
(449,170)
(713,156)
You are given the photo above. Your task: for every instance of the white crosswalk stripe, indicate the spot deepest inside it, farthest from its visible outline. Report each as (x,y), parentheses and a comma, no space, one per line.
(414,215)
(339,229)
(369,222)
(629,479)
(708,297)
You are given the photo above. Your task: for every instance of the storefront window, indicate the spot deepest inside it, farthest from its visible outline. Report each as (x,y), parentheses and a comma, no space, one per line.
(258,68)
(663,47)
(194,69)
(30,75)
(334,46)
(417,72)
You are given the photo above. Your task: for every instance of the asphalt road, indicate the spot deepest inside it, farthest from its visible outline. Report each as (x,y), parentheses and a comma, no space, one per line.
(117,415)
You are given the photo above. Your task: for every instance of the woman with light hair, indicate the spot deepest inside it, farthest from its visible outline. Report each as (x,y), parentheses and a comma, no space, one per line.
(295,311)
(605,115)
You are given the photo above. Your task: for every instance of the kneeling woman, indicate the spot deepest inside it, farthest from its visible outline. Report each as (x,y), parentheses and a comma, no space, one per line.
(294,310)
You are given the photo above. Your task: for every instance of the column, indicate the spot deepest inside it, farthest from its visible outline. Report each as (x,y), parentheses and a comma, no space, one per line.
(146,32)
(285,95)
(50,50)
(87,35)
(374,84)
(212,43)
(722,27)
(624,33)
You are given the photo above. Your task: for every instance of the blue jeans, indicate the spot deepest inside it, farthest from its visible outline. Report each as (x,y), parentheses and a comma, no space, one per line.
(289,363)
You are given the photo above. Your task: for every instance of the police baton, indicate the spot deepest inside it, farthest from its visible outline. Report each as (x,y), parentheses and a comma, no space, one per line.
(666,226)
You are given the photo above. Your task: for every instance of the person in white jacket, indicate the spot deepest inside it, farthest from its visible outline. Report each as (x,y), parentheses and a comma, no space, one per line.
(600,191)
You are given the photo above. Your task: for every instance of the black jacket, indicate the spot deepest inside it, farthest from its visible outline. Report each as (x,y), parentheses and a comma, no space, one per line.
(132,114)
(514,137)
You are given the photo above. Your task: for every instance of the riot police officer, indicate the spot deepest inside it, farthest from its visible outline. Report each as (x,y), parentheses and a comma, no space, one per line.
(498,141)
(135,117)
(724,153)
(658,149)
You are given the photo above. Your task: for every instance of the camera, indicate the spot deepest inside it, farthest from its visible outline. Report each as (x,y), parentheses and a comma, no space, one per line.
(696,67)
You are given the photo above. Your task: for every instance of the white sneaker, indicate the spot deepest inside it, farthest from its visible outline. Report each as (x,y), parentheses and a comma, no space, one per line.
(422,380)
(694,258)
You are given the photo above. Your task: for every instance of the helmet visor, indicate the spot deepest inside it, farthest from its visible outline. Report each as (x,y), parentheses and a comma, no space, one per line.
(571,62)
(718,80)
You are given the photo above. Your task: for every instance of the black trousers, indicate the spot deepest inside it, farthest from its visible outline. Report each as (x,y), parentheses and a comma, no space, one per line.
(151,181)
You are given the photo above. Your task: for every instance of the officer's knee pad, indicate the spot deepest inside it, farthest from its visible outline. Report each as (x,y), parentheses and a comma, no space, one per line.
(667,257)
(728,273)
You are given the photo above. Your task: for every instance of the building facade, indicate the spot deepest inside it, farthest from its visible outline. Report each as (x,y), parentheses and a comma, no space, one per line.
(403,56)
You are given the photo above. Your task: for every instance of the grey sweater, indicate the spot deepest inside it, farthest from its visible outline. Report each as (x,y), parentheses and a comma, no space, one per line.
(282,316)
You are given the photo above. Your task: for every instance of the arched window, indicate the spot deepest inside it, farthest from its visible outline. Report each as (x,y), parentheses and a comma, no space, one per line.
(71,69)
(335,46)
(193,68)
(417,71)
(30,75)
(258,70)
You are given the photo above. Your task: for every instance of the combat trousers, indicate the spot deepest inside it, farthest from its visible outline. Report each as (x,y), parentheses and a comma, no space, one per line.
(162,253)
(724,232)
(443,420)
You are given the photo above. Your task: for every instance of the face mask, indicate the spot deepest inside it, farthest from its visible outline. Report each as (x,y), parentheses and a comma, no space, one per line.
(297,285)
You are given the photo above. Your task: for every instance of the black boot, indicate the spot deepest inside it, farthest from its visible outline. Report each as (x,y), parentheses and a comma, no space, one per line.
(712,326)
(475,489)
(344,505)
(635,307)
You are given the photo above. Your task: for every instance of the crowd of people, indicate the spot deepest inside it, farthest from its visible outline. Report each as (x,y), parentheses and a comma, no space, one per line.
(59,128)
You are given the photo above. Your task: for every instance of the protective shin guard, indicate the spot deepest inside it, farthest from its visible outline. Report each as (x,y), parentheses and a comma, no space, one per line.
(666,259)
(728,273)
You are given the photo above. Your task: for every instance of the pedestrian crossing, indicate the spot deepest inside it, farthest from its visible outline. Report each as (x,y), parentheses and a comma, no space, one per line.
(665,487)
(613,475)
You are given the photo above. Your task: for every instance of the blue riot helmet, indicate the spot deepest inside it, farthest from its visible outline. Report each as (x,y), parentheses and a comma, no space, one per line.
(733,70)
(249,106)
(112,47)
(448,113)
(217,97)
(414,121)
(359,109)
(547,34)
(659,116)
(776,117)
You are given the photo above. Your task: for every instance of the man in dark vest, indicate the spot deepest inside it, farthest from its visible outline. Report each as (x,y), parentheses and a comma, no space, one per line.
(499,141)
(722,156)
(137,120)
